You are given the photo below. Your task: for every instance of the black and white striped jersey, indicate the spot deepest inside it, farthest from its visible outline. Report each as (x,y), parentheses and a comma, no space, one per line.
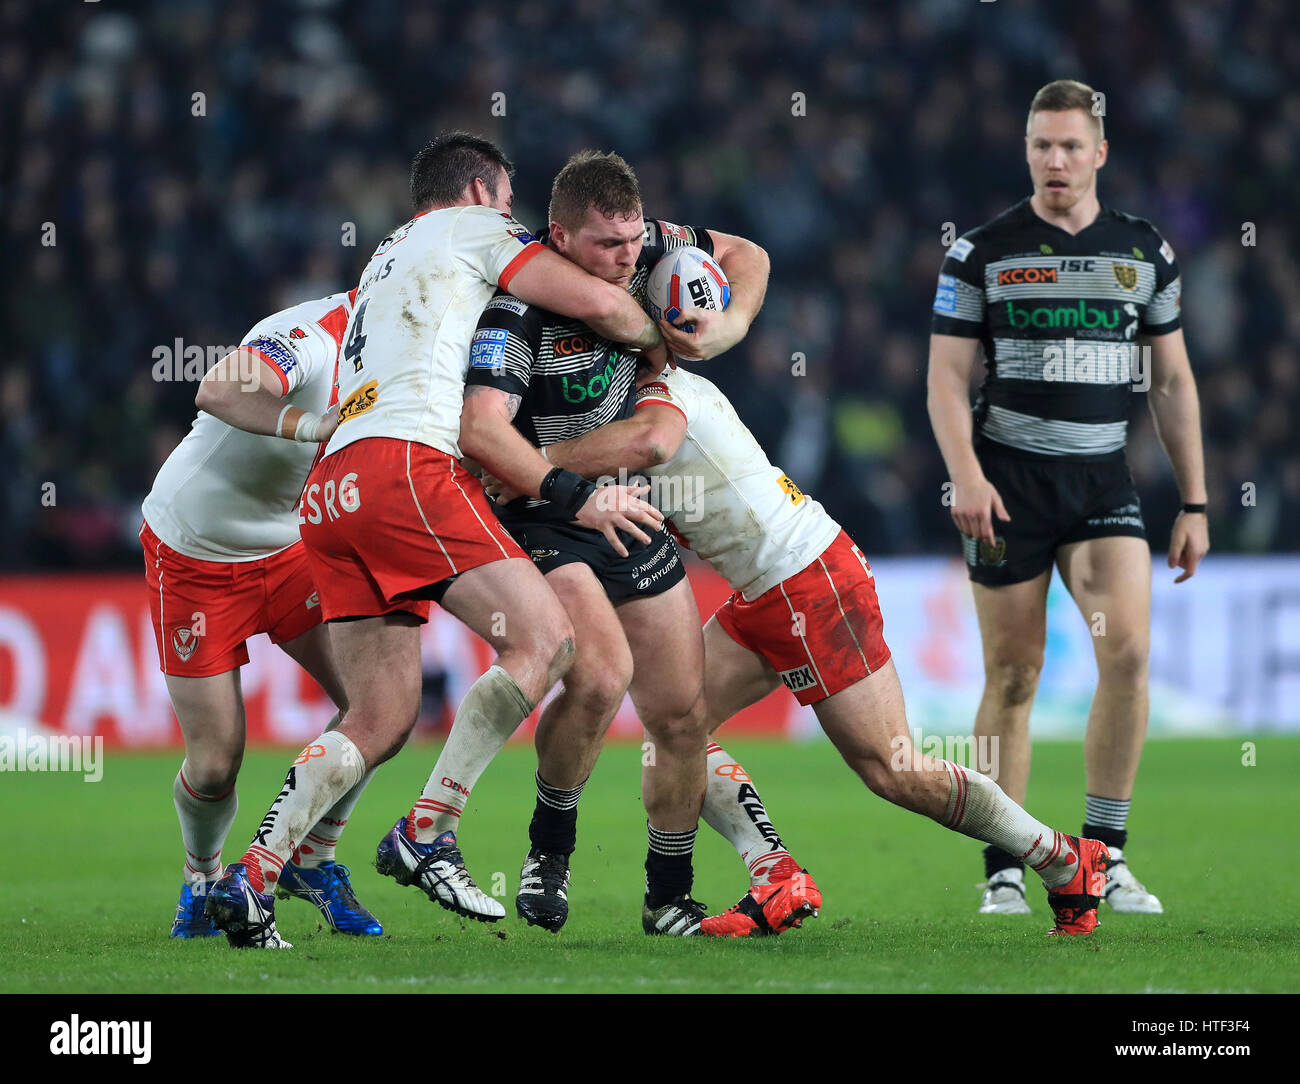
(570,380)
(1059,317)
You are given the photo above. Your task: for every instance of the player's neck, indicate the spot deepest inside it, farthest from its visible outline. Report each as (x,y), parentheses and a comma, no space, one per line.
(1079,217)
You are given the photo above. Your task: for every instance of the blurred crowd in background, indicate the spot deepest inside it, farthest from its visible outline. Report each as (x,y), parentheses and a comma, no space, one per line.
(201,163)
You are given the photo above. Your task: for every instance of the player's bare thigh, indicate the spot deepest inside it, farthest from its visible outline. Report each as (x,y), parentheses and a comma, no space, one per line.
(311,651)
(511,606)
(1013,628)
(602,664)
(663,632)
(734,676)
(211,714)
(1110,581)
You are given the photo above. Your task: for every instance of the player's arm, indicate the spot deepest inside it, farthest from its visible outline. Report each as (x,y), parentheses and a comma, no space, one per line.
(549,281)
(647,439)
(1176,411)
(246,390)
(747,267)
(974,500)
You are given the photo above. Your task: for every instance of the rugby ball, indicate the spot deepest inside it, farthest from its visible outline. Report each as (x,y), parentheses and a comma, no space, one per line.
(685,278)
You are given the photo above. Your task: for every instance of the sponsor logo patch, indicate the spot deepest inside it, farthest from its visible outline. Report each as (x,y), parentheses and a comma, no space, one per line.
(518,230)
(945,298)
(1167,251)
(359,401)
(1026,274)
(961,248)
(488,348)
(276,352)
(801,677)
(511,304)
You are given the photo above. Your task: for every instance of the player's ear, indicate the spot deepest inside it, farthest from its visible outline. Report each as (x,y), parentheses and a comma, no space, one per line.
(1103,149)
(560,236)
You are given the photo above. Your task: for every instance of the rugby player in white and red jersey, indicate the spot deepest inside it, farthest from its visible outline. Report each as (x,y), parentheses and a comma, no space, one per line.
(392,521)
(804,613)
(223,561)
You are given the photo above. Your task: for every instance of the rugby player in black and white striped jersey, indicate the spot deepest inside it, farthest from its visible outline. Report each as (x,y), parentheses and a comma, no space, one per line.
(1061,292)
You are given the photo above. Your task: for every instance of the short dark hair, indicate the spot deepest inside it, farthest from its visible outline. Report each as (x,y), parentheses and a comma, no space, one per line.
(451,161)
(592,179)
(1063,95)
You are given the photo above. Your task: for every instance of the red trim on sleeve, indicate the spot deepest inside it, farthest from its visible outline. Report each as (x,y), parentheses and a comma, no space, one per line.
(284,380)
(512,268)
(660,402)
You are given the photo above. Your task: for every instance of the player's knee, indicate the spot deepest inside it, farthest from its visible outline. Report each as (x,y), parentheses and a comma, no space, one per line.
(684,733)
(1123,662)
(215,771)
(600,684)
(1014,683)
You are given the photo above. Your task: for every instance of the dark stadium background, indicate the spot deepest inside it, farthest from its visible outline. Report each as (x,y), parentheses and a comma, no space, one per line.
(171,225)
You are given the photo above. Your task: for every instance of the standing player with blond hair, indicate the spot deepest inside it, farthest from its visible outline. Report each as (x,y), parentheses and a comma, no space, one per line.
(1060,290)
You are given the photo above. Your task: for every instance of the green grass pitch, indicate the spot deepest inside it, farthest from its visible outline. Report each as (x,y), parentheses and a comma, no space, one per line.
(91,874)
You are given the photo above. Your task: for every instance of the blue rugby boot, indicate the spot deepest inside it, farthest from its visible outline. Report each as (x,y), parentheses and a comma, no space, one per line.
(329,888)
(438,868)
(245,915)
(190,920)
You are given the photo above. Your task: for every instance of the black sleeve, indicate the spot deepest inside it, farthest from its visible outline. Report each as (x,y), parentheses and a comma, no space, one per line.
(505,345)
(662,237)
(959,301)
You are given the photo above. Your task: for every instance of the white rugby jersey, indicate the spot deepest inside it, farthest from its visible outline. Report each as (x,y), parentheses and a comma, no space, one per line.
(723,496)
(406,350)
(228,495)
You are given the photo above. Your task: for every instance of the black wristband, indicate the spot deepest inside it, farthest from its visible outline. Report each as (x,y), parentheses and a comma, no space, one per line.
(565,489)
(1195,508)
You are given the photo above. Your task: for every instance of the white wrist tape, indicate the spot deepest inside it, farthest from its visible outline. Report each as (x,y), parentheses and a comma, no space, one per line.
(308,427)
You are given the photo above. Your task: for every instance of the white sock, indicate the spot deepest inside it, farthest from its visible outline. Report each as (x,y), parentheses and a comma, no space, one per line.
(490,712)
(205,823)
(733,809)
(978,807)
(323,773)
(320,844)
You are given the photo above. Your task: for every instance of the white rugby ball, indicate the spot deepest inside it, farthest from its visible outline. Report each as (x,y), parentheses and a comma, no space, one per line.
(686,278)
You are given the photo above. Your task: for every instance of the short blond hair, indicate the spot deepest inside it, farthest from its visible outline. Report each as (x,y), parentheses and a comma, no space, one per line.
(1061,96)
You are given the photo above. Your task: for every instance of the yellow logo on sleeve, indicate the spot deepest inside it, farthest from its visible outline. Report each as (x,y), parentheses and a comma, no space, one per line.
(793,491)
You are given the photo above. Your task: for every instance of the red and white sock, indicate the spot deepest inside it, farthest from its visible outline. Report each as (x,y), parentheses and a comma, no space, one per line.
(205,823)
(319,846)
(491,711)
(978,807)
(733,809)
(323,773)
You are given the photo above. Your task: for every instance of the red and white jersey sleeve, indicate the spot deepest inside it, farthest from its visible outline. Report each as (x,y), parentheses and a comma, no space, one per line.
(406,348)
(227,495)
(725,498)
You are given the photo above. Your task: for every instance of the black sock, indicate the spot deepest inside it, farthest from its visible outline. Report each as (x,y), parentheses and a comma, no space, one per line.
(995,859)
(1112,837)
(555,818)
(668,869)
